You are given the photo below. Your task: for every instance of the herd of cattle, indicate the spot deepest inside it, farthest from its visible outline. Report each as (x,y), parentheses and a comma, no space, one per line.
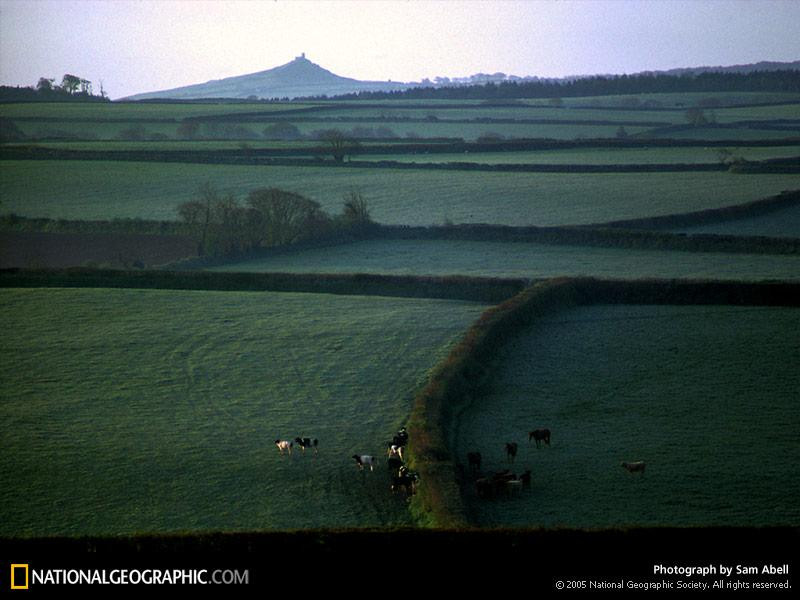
(402,478)
(506,483)
(503,483)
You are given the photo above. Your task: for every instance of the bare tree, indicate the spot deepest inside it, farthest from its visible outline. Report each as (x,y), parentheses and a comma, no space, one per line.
(339,143)
(286,216)
(355,208)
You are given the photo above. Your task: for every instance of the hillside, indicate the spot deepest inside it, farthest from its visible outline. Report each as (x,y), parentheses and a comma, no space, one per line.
(296,79)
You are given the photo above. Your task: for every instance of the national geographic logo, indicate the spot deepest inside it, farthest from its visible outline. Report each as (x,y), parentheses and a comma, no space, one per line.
(19,577)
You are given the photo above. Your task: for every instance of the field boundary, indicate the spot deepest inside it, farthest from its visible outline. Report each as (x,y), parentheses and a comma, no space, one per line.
(457,381)
(475,289)
(785,199)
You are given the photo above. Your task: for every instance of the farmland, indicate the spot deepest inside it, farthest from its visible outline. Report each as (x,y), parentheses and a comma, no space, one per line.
(108,190)
(533,261)
(156,410)
(129,410)
(686,389)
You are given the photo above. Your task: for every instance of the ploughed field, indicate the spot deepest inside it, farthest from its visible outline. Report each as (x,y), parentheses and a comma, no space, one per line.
(154,411)
(704,395)
(98,190)
(520,259)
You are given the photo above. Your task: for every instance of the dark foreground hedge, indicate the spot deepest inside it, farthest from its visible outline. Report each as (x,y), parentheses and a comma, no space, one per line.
(478,289)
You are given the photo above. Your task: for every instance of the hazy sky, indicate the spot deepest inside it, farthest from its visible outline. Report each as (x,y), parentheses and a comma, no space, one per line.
(146,45)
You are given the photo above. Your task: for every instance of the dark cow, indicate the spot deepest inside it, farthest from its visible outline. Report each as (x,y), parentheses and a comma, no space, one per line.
(634,467)
(405,479)
(307,443)
(474,460)
(394,464)
(401,438)
(540,435)
(525,478)
(511,451)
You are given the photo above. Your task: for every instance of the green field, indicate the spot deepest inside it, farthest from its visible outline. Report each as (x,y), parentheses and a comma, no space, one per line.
(137,110)
(534,261)
(129,411)
(780,223)
(107,190)
(105,130)
(706,396)
(740,135)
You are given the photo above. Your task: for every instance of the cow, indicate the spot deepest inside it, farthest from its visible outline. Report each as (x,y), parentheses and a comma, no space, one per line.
(284,445)
(401,438)
(511,451)
(405,479)
(307,443)
(525,478)
(365,460)
(500,481)
(514,486)
(395,450)
(394,464)
(539,435)
(634,467)
(474,460)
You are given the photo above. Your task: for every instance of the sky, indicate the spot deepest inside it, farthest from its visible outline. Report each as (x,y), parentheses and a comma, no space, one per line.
(136,46)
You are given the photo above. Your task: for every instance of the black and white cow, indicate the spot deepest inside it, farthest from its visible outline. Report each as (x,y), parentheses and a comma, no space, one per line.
(307,443)
(365,460)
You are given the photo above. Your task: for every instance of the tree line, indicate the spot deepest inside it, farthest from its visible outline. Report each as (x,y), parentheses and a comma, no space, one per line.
(269,217)
(757,81)
(71,89)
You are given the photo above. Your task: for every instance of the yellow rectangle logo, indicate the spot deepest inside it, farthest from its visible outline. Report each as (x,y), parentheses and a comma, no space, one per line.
(15,571)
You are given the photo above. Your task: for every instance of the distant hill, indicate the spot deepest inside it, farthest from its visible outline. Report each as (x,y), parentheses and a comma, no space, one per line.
(296,79)
(302,78)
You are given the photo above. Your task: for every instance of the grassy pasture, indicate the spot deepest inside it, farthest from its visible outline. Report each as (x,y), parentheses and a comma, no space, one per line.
(521,112)
(107,190)
(130,411)
(738,134)
(136,110)
(780,223)
(103,130)
(706,396)
(503,259)
(682,100)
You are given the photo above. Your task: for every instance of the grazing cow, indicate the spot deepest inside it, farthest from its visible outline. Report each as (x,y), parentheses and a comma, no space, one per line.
(525,478)
(514,486)
(500,481)
(634,467)
(307,443)
(540,435)
(395,450)
(400,438)
(284,445)
(511,451)
(394,464)
(405,479)
(474,459)
(365,460)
